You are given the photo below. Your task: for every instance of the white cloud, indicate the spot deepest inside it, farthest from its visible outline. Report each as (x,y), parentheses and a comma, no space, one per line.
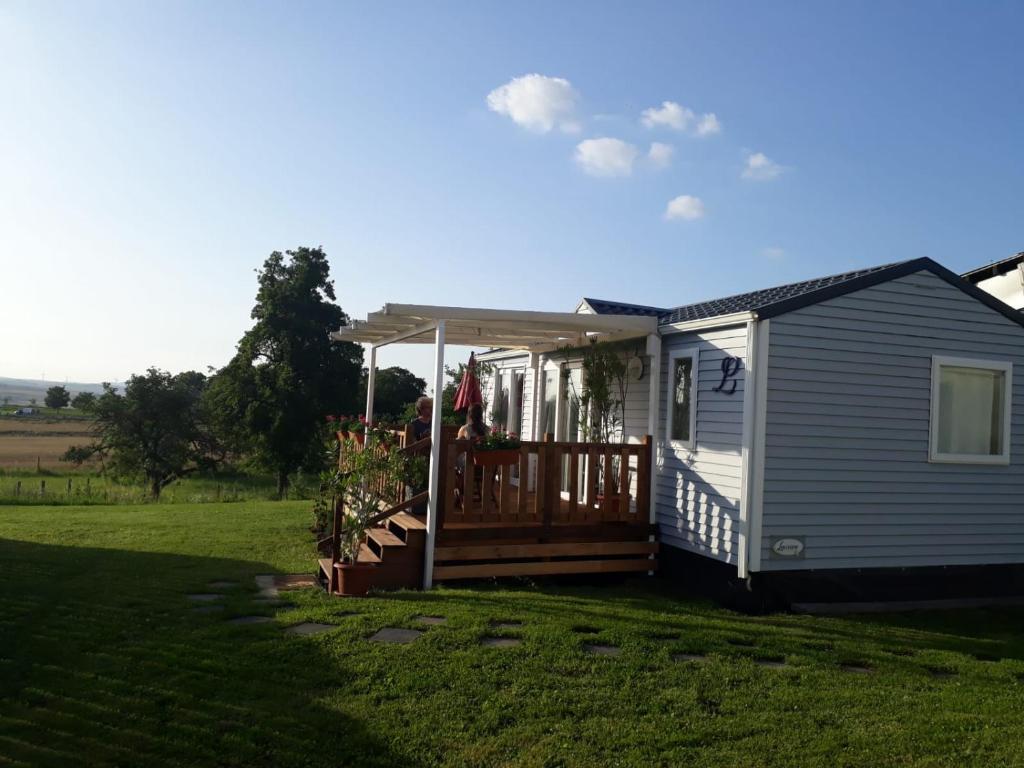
(773,252)
(708,125)
(685,207)
(606,157)
(537,103)
(760,168)
(660,154)
(669,115)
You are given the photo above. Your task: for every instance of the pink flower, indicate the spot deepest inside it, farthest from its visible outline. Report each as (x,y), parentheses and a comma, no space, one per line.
(330,419)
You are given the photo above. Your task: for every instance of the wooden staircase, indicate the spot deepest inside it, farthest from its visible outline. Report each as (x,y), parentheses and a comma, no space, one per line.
(394,546)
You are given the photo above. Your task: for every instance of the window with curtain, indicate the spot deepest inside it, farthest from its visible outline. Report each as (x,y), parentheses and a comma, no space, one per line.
(970,411)
(681,391)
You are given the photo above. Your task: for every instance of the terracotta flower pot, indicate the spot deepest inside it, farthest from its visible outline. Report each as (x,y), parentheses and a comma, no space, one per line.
(494,458)
(360,437)
(343,434)
(354,579)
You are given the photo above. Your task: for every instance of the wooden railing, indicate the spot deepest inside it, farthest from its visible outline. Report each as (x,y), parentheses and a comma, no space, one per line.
(549,483)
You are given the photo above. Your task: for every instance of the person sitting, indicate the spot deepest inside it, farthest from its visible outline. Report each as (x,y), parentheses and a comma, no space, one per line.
(473,429)
(424,415)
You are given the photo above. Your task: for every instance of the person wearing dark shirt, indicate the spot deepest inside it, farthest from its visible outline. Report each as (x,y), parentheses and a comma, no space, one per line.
(424,414)
(420,429)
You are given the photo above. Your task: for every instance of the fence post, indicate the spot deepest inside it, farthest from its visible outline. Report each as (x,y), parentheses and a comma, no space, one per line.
(42,488)
(17,490)
(69,487)
(552,480)
(332,580)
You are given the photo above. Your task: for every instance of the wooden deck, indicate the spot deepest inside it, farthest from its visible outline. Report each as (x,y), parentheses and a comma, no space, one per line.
(558,508)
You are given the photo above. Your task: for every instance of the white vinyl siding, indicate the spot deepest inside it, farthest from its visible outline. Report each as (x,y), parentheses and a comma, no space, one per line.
(697,489)
(848,433)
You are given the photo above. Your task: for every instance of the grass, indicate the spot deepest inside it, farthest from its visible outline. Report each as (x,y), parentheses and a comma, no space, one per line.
(104,662)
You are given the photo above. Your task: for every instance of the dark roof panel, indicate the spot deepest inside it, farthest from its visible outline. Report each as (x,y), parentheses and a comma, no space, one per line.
(757,300)
(602,307)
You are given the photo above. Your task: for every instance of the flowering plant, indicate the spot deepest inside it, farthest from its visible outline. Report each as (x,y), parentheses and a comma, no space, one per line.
(498,441)
(358,426)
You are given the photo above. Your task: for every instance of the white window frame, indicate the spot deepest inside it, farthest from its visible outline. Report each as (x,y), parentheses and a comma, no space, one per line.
(694,354)
(938,361)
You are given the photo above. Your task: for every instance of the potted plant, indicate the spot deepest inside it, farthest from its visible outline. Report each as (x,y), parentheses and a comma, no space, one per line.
(603,401)
(360,495)
(342,423)
(358,429)
(496,448)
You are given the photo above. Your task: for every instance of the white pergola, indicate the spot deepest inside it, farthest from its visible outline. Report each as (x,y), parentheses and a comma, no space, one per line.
(532,332)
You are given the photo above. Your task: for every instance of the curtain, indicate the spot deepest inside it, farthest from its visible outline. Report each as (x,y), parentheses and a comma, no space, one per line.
(971,411)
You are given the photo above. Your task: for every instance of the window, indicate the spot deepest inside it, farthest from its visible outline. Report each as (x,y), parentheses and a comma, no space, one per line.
(681,421)
(970,416)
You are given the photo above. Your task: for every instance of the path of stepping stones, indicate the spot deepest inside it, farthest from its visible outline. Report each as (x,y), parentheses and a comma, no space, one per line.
(269,596)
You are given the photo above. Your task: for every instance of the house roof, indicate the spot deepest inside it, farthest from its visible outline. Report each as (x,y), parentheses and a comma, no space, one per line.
(604,307)
(771,302)
(994,269)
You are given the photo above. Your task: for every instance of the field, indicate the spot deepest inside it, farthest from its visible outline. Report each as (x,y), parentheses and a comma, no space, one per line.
(30,441)
(104,661)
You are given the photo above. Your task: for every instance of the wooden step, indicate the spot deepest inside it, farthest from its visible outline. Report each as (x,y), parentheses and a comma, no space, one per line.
(554,568)
(408,522)
(384,538)
(367,555)
(528,551)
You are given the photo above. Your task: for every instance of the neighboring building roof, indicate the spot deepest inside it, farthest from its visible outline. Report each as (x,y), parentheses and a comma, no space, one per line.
(994,269)
(602,307)
(771,302)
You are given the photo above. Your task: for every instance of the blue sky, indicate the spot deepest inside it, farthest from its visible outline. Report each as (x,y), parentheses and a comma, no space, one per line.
(153,154)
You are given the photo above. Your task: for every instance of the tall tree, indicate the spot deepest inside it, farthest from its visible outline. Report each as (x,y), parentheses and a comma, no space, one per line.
(394,390)
(57,397)
(83,401)
(155,430)
(288,374)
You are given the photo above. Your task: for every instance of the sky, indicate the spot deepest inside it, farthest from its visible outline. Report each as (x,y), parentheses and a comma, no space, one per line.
(523,155)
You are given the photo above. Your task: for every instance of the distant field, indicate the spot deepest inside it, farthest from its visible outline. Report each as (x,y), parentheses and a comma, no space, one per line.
(24,440)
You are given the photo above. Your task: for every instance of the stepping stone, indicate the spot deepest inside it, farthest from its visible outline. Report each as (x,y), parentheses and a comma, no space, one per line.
(688,657)
(267,585)
(309,628)
(665,638)
(222,584)
(208,609)
(251,620)
(860,669)
(771,663)
(431,620)
(941,674)
(586,630)
(273,602)
(987,657)
(395,635)
(501,642)
(901,652)
(205,598)
(740,641)
(507,624)
(294,581)
(602,650)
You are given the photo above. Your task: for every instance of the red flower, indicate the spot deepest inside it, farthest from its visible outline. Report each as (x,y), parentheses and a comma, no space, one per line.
(362,419)
(330,419)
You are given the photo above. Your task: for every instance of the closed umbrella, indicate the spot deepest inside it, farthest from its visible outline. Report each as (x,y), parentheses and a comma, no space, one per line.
(468,392)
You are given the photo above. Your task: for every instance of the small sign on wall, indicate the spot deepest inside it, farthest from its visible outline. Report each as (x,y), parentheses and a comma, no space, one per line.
(786,547)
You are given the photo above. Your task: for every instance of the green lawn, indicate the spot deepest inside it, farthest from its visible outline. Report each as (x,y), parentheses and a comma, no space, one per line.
(104,662)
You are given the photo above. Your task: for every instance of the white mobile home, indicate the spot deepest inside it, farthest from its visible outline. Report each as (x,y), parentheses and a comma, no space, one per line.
(869,420)
(852,430)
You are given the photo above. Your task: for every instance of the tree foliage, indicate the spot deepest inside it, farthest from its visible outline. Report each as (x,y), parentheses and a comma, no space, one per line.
(156,430)
(83,401)
(394,390)
(271,399)
(57,397)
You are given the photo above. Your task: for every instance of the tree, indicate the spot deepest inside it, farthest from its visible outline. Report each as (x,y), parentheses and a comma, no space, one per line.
(83,401)
(288,374)
(156,430)
(394,390)
(57,397)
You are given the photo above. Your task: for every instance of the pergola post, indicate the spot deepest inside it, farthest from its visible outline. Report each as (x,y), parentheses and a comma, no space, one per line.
(434,485)
(370,376)
(653,414)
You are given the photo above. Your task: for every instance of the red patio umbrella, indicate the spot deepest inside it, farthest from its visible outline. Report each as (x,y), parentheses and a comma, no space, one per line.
(468,392)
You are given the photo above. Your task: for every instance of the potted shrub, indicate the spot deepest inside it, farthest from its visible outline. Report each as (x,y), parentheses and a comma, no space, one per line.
(495,449)
(360,495)
(358,429)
